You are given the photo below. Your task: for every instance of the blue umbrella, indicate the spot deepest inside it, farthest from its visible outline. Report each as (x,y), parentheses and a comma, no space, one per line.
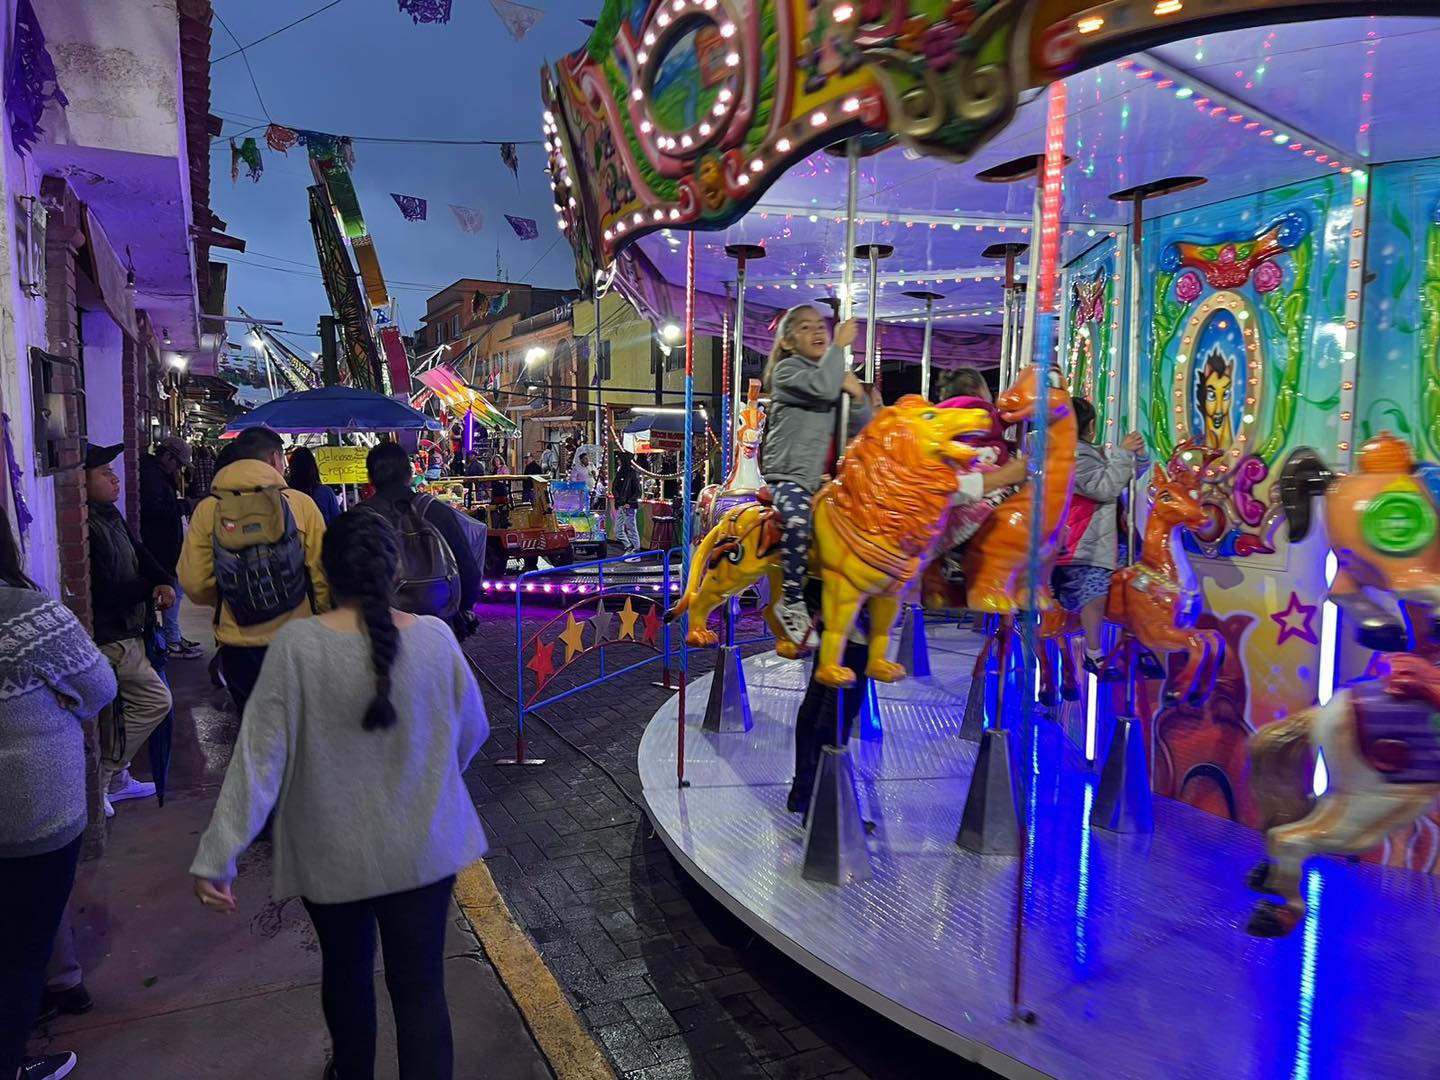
(335,408)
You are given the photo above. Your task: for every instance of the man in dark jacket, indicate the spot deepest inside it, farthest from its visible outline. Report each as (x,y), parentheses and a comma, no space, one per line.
(389,469)
(162,526)
(125,579)
(627,501)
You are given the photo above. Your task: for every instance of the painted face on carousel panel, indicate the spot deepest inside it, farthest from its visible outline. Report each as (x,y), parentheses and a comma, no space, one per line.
(1214,395)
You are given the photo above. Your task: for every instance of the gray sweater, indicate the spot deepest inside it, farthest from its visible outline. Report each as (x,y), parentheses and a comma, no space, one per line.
(1101,476)
(357,813)
(800,426)
(51,678)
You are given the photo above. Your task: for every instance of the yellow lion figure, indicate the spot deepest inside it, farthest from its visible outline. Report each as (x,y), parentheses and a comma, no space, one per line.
(876,526)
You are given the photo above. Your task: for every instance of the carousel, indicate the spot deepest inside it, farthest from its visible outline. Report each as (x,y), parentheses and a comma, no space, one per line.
(1211,228)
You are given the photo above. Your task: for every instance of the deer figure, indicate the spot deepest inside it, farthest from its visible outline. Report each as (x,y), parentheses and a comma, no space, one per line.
(1154,600)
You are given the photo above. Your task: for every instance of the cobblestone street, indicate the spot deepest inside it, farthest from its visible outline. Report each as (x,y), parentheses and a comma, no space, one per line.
(670,983)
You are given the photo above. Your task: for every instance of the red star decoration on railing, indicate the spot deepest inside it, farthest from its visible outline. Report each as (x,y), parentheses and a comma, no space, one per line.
(542,663)
(653,622)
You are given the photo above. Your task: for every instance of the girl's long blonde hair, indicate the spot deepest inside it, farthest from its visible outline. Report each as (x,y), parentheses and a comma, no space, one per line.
(778,351)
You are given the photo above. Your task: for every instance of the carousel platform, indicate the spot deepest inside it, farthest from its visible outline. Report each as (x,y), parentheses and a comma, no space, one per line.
(1135,960)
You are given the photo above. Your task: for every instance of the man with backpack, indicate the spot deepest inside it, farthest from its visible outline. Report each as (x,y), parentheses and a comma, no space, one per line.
(253,553)
(442,556)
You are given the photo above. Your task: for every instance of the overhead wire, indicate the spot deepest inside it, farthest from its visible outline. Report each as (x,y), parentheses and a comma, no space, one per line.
(250,71)
(267,37)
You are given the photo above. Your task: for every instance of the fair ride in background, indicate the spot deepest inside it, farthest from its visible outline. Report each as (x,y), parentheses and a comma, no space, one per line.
(1216,255)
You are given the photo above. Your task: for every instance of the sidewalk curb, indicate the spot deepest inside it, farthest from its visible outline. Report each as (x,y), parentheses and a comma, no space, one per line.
(570,1050)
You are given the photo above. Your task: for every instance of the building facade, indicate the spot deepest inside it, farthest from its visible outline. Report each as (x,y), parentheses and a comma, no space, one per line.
(105,233)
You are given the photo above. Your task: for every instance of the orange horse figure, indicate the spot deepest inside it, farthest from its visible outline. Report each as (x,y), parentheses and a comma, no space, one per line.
(997,556)
(1151,600)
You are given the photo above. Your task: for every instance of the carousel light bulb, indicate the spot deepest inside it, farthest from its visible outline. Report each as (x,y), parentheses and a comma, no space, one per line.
(783,146)
(642,57)
(639,218)
(1281,138)
(658,215)
(743,179)
(609,235)
(710,5)
(732,59)
(663,19)
(851,105)
(686,141)
(728,30)
(757,165)
(725,93)
(718,110)
(649,37)
(549,117)
(637,94)
(645,127)
(674,215)
(620,228)
(1168,7)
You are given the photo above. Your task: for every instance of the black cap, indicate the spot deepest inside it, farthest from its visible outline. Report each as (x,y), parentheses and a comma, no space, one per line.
(95,456)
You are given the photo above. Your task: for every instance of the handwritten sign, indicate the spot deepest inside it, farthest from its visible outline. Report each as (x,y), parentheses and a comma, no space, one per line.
(342,464)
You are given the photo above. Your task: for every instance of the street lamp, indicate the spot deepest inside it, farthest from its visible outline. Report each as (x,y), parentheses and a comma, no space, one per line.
(535,355)
(671,334)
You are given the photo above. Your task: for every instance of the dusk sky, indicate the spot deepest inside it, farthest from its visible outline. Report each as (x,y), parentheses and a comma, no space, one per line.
(363,69)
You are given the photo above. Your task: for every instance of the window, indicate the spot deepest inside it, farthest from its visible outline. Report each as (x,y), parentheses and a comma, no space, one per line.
(602,365)
(455,326)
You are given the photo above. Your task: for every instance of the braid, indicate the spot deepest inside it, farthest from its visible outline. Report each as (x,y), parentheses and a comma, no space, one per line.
(360,555)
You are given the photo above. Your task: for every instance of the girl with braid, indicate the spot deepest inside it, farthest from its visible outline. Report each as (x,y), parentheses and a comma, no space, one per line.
(360,726)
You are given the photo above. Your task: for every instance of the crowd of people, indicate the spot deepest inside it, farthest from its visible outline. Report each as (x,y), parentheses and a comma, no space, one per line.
(338,642)
(338,638)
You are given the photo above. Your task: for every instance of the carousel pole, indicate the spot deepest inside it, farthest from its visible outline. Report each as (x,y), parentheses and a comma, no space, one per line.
(871,726)
(929,298)
(835,851)
(1008,252)
(685,467)
(742,254)
(872,253)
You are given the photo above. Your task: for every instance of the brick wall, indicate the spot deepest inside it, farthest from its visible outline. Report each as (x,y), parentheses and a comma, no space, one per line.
(63,239)
(135,387)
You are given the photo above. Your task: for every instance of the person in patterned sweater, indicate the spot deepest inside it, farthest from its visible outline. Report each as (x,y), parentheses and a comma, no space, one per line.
(52,678)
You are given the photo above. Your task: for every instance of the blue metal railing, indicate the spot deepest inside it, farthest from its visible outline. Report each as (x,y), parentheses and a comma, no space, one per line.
(532,582)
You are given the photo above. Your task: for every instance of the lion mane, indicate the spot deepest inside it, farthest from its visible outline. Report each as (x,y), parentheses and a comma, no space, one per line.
(887,488)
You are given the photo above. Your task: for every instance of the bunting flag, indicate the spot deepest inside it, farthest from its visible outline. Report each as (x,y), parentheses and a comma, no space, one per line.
(426,11)
(525,228)
(31,81)
(248,152)
(281,138)
(470,219)
(511,159)
(518,18)
(412,208)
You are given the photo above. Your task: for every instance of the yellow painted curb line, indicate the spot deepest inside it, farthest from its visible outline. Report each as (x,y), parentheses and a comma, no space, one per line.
(569,1048)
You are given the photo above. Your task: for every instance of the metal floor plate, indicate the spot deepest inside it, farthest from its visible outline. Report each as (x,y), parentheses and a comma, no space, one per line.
(1135,960)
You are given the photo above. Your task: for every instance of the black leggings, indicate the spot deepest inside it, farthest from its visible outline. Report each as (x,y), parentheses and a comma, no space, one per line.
(33,892)
(817,724)
(793,503)
(412,934)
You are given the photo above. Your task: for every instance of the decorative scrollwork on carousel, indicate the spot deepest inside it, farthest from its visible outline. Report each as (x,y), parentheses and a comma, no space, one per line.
(949,82)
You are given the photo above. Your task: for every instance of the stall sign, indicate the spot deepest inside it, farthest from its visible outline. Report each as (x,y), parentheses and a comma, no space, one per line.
(342,464)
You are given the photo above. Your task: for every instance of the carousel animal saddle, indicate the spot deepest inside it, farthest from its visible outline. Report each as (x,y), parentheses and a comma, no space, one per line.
(1399,736)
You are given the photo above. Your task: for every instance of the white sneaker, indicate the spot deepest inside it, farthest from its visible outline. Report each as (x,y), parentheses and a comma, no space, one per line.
(794,618)
(109,807)
(123,786)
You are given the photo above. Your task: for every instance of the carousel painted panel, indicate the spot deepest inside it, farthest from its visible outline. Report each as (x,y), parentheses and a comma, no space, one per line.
(1245,323)
(1094,333)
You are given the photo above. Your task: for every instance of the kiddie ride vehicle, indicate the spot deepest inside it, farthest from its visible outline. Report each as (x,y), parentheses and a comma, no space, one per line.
(571,500)
(522,524)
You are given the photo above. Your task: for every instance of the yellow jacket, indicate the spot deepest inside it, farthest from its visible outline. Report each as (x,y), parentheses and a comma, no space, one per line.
(197,558)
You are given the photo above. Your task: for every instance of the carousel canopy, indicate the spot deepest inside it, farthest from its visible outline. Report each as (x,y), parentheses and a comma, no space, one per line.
(750,156)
